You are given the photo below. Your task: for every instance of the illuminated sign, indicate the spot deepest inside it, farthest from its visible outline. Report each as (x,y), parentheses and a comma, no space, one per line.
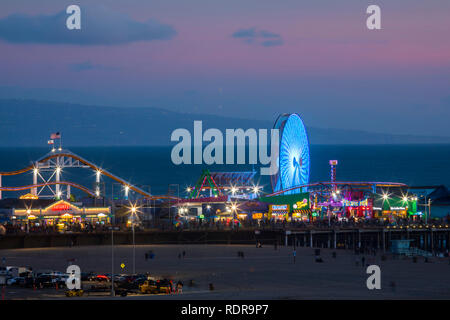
(257,216)
(301,204)
(60,206)
(349,203)
(280,207)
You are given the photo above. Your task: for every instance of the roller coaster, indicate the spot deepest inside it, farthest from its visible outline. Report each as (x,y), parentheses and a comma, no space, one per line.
(331,184)
(58,159)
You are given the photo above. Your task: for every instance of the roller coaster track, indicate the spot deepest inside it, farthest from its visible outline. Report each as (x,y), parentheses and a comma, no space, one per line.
(352,183)
(75,185)
(66,153)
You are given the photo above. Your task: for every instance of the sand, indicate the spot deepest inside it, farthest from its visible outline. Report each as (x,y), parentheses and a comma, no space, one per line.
(264,273)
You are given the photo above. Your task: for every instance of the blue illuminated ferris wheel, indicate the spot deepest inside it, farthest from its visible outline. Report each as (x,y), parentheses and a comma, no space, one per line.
(293,159)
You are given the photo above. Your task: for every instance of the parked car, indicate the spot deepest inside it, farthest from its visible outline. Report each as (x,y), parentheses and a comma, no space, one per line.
(44,280)
(102,277)
(18,281)
(87,276)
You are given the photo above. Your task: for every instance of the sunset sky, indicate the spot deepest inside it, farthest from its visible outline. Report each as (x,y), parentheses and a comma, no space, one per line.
(239,58)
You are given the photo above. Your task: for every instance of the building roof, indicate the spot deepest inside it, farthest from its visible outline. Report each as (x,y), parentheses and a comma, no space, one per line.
(233,178)
(252,206)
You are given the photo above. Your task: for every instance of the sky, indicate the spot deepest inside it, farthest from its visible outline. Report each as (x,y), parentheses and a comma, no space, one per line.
(238,58)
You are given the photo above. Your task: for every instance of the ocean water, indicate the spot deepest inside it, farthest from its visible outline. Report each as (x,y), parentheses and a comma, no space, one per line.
(151,167)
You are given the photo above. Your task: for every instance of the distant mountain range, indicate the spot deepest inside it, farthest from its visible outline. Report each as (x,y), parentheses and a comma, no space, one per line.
(29,123)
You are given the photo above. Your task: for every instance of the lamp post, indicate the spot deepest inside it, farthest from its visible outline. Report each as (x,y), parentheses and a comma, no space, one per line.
(133,214)
(112,261)
(233,210)
(28,220)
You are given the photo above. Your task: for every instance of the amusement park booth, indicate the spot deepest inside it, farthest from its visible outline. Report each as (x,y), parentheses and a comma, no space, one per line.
(358,208)
(59,212)
(279,212)
(285,207)
(252,210)
(394,207)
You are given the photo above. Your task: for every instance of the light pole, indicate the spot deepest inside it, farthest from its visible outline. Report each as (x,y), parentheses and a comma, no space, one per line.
(28,220)
(112,262)
(233,209)
(177,186)
(133,214)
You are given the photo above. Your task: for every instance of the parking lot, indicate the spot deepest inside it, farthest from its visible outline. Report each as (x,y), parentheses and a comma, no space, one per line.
(217,272)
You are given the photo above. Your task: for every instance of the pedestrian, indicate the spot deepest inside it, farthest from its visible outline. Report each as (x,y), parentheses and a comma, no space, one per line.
(179,286)
(184,254)
(171,289)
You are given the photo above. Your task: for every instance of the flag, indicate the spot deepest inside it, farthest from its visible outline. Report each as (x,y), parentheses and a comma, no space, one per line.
(56,135)
(50,142)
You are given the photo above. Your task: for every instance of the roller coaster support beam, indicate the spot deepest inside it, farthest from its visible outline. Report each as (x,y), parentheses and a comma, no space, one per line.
(97,183)
(58,178)
(35,179)
(127,189)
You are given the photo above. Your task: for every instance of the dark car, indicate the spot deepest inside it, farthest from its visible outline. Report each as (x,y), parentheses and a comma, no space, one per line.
(87,276)
(44,281)
(131,284)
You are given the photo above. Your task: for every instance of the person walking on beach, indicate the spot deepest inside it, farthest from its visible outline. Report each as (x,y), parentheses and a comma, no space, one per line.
(179,286)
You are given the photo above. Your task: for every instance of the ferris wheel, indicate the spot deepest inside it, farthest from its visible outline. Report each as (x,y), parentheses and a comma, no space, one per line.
(293,160)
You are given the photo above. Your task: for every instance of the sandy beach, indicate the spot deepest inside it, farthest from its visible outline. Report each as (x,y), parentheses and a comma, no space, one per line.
(263,273)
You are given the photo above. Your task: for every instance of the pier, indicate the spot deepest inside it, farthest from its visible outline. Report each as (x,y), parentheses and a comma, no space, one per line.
(426,238)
